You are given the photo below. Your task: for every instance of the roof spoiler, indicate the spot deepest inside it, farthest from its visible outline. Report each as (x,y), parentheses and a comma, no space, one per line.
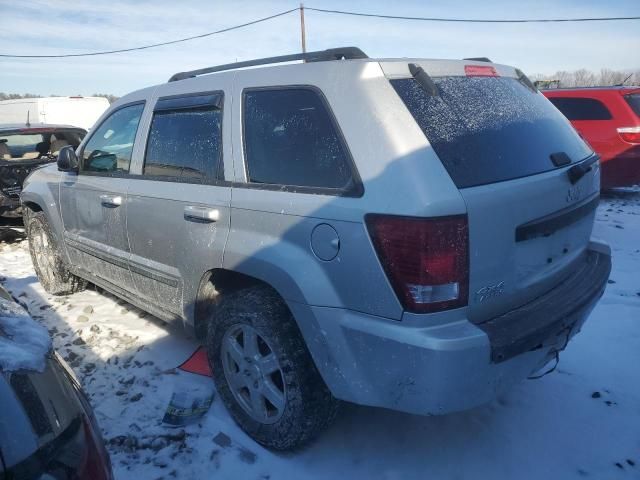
(478,59)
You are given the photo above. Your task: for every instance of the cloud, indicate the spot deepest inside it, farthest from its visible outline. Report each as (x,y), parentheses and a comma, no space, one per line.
(56,26)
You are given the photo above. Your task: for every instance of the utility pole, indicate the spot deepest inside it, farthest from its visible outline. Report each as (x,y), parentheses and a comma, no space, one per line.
(302,33)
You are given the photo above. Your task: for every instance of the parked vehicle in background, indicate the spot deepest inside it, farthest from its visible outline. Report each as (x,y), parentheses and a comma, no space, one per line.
(22,149)
(609,119)
(47,427)
(419,244)
(77,111)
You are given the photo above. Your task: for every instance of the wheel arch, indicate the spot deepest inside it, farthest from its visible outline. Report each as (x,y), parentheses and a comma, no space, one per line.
(31,205)
(213,285)
(45,201)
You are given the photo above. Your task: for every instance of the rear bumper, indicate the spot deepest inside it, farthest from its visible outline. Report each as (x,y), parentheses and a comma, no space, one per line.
(552,315)
(622,170)
(453,366)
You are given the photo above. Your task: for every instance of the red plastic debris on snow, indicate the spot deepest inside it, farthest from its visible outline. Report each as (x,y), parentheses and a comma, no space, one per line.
(197,363)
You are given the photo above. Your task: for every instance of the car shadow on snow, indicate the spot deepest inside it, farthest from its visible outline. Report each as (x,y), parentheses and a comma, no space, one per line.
(125,359)
(129,378)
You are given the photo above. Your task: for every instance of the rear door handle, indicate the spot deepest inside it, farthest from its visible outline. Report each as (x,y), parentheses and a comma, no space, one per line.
(111,201)
(194,213)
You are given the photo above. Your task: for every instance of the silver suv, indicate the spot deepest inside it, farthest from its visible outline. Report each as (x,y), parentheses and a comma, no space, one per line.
(404,233)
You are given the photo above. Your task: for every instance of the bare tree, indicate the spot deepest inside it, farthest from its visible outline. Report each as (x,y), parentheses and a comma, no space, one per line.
(586,78)
(108,96)
(15,96)
(583,78)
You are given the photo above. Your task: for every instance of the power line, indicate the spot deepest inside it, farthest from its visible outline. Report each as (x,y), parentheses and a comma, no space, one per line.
(472,20)
(144,47)
(323,10)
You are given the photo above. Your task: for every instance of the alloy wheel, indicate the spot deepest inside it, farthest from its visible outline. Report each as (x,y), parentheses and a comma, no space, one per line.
(253,373)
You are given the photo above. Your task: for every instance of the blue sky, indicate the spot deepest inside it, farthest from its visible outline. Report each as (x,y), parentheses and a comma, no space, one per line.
(67,26)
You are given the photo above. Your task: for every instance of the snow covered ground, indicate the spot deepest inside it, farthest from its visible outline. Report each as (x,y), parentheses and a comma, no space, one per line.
(582,421)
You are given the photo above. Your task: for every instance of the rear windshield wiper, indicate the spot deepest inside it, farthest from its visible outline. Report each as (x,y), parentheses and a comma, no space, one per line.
(581,169)
(576,172)
(523,79)
(424,80)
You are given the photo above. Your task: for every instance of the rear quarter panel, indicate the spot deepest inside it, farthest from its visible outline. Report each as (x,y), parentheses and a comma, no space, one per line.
(271,230)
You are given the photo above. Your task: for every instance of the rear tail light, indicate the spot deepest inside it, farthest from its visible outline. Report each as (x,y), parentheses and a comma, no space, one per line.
(630,134)
(425,259)
(96,464)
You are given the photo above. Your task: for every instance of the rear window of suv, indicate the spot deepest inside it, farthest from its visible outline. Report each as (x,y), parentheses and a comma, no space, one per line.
(578,108)
(490,129)
(634,102)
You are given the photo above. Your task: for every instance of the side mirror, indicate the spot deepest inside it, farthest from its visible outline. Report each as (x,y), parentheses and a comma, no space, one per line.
(67,159)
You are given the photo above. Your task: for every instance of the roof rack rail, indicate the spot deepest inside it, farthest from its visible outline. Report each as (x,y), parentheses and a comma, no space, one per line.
(344,53)
(479,59)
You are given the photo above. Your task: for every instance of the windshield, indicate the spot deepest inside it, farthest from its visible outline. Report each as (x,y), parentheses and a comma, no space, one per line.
(490,129)
(31,145)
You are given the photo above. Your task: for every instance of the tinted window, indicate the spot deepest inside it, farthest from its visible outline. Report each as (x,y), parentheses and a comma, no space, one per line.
(290,139)
(185,144)
(20,146)
(490,129)
(24,146)
(634,102)
(581,108)
(109,148)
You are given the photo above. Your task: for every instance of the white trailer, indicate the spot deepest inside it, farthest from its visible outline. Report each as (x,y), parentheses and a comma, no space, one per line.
(76,111)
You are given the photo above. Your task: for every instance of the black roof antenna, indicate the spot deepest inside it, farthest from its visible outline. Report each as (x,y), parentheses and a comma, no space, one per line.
(621,84)
(28,124)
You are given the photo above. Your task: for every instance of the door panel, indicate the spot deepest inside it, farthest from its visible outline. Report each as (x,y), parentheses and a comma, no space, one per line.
(93,202)
(171,250)
(177,214)
(94,228)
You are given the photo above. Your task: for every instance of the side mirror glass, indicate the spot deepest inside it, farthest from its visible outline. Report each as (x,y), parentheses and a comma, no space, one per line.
(67,159)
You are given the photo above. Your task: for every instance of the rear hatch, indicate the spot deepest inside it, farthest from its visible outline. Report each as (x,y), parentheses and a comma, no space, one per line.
(510,153)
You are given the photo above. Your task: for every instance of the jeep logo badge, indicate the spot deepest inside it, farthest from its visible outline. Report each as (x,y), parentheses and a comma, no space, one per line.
(574,194)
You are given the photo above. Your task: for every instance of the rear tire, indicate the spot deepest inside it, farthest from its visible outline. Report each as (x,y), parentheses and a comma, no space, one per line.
(52,272)
(264,373)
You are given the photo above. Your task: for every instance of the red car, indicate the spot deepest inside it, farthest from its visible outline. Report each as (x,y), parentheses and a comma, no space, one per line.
(609,119)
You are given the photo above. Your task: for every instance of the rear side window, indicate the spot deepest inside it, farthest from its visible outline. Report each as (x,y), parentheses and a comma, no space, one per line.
(575,108)
(290,139)
(185,140)
(110,147)
(634,102)
(490,129)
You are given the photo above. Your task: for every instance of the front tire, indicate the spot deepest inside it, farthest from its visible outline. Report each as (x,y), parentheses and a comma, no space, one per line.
(52,272)
(264,373)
